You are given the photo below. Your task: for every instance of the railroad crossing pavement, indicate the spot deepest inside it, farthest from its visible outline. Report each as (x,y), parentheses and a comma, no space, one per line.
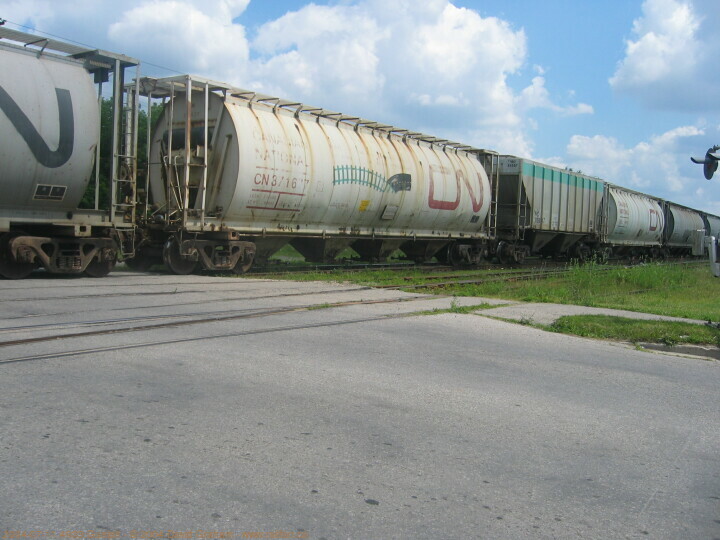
(546,314)
(145,404)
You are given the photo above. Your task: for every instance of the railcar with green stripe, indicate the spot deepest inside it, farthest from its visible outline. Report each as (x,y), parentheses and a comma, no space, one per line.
(553,212)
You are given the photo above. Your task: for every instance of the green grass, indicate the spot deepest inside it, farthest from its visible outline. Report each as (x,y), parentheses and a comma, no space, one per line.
(371,278)
(681,290)
(326,305)
(637,331)
(455,308)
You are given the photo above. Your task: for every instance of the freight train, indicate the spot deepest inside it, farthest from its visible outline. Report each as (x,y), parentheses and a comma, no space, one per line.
(234,175)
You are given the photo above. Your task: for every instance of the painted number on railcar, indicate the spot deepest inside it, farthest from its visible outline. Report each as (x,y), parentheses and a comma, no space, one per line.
(274,180)
(510,166)
(280,173)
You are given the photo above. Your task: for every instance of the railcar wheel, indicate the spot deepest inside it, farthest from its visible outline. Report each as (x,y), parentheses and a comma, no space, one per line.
(99,269)
(582,253)
(174,261)
(502,253)
(8,268)
(140,262)
(454,257)
(242,267)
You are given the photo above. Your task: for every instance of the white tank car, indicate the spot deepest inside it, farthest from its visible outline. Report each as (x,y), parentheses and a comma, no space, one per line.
(273,171)
(49,122)
(633,219)
(713,225)
(680,224)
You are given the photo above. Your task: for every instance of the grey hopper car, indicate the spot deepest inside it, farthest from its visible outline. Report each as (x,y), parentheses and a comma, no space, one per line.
(544,210)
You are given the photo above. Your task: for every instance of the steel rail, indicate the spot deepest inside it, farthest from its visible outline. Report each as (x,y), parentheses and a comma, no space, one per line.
(204,301)
(95,350)
(202,320)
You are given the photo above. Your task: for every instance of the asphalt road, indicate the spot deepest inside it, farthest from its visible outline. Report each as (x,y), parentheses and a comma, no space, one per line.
(209,407)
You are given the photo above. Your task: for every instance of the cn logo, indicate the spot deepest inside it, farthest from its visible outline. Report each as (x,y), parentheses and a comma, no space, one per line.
(49,158)
(440,173)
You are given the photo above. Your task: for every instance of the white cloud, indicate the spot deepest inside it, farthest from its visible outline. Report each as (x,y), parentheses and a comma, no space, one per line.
(660,166)
(319,51)
(185,35)
(428,66)
(442,100)
(199,36)
(536,96)
(672,63)
(28,12)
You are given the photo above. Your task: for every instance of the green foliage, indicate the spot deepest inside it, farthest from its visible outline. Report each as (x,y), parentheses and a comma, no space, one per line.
(455,308)
(106,122)
(635,330)
(679,290)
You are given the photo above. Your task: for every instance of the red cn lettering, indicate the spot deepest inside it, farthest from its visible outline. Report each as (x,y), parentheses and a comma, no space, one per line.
(452,205)
(476,204)
(442,205)
(654,220)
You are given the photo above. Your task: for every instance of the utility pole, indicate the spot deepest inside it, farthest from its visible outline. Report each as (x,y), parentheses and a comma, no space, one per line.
(702,242)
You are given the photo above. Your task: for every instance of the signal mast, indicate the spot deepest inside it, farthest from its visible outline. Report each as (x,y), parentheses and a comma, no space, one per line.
(710,165)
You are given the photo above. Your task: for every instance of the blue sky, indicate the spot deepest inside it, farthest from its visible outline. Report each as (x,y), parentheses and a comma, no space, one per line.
(625,90)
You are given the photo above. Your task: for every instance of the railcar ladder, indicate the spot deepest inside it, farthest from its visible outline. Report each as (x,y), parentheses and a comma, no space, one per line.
(124,164)
(523,221)
(186,191)
(492,168)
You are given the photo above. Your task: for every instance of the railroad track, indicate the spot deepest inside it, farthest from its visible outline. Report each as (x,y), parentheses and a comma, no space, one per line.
(445,280)
(533,263)
(155,322)
(160,342)
(476,279)
(270,271)
(76,333)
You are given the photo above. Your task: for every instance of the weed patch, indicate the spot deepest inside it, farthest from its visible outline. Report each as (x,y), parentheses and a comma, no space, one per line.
(635,331)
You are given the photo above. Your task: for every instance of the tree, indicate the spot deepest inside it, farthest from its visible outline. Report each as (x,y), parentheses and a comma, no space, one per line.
(106,122)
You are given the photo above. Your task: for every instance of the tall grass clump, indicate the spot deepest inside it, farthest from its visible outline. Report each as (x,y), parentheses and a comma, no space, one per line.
(583,283)
(679,290)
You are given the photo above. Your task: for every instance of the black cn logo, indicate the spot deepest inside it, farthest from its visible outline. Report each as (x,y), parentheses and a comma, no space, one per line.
(49,158)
